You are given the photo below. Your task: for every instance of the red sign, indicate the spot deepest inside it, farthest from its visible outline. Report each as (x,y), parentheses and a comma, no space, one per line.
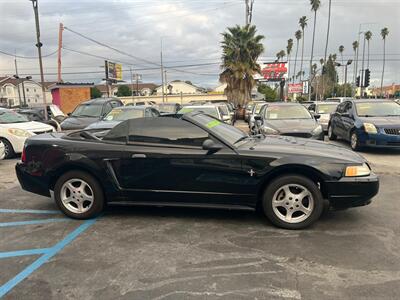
(273,71)
(295,88)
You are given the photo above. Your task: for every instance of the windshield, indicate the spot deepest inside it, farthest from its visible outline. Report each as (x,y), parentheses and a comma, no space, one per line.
(87,110)
(212,111)
(258,107)
(223,110)
(9,116)
(326,108)
(287,112)
(227,132)
(169,108)
(377,109)
(118,114)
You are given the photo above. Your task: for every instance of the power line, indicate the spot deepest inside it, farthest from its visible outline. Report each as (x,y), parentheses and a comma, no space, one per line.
(27,57)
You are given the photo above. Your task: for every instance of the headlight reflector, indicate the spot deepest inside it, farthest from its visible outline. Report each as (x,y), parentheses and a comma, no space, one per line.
(317,130)
(269,130)
(370,128)
(19,132)
(354,171)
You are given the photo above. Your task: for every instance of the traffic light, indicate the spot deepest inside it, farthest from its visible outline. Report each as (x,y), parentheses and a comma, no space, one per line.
(367,76)
(358,81)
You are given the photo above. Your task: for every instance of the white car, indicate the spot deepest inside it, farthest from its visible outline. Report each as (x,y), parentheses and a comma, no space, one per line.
(2,150)
(214,110)
(15,129)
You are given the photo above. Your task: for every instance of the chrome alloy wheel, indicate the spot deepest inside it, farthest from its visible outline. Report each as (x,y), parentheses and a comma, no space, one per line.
(77,196)
(293,203)
(353,140)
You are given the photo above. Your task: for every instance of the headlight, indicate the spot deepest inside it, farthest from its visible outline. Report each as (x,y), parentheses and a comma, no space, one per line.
(269,130)
(317,130)
(19,132)
(354,171)
(370,128)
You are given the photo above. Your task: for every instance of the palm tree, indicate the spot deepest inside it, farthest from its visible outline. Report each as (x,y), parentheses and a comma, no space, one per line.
(368,36)
(326,43)
(280,54)
(341,49)
(289,48)
(303,23)
(315,4)
(355,47)
(298,36)
(384,34)
(241,47)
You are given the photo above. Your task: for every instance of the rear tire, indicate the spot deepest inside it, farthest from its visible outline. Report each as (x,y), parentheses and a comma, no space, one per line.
(354,142)
(8,149)
(79,195)
(292,202)
(331,135)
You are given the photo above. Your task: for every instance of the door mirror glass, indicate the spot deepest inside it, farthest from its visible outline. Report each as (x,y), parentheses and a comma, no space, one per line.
(211,146)
(317,116)
(257,117)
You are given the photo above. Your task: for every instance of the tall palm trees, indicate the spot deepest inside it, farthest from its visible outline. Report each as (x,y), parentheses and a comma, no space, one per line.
(315,4)
(341,49)
(355,47)
(368,36)
(241,47)
(281,54)
(384,34)
(303,23)
(298,36)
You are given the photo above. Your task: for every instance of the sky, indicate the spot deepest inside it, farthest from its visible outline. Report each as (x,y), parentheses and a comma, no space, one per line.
(190,31)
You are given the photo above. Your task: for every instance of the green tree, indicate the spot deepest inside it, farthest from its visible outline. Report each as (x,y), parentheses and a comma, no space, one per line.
(124,91)
(298,36)
(95,93)
(368,37)
(315,4)
(268,92)
(384,34)
(303,23)
(241,47)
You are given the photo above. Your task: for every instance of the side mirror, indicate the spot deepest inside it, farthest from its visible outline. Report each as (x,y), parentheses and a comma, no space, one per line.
(257,118)
(211,146)
(317,116)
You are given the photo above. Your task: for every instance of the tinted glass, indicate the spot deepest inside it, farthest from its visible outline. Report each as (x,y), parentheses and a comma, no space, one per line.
(326,108)
(227,132)
(118,133)
(86,110)
(212,111)
(377,109)
(9,116)
(287,112)
(118,114)
(168,131)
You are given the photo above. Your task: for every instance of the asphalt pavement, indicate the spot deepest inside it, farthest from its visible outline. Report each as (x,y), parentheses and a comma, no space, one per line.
(180,253)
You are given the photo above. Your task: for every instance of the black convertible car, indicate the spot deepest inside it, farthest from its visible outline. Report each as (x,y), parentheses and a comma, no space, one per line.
(195,160)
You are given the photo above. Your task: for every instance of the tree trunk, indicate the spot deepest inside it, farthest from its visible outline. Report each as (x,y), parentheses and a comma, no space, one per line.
(383,67)
(326,44)
(302,54)
(295,59)
(312,54)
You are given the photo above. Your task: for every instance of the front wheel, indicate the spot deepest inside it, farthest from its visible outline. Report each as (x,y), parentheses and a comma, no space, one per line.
(331,135)
(292,202)
(8,149)
(79,195)
(354,142)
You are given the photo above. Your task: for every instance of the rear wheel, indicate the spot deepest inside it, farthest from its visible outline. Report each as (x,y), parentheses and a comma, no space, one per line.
(292,202)
(331,135)
(354,142)
(8,149)
(79,195)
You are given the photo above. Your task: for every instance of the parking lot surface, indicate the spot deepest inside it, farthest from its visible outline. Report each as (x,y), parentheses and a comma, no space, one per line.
(179,253)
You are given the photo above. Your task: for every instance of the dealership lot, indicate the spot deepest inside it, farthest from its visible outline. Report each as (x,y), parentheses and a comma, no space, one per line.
(177,253)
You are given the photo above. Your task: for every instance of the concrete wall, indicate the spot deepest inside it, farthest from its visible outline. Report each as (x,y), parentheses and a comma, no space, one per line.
(182,99)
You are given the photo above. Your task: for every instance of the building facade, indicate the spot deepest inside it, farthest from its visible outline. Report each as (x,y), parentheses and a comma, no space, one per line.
(179,87)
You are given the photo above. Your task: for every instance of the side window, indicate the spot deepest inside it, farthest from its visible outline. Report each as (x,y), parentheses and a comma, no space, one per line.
(311,107)
(168,131)
(347,107)
(340,108)
(115,104)
(117,134)
(108,107)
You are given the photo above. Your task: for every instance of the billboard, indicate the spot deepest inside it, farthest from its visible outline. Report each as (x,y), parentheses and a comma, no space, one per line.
(276,71)
(295,88)
(113,71)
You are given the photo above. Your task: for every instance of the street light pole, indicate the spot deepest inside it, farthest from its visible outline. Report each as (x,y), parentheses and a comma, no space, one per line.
(162,72)
(345,74)
(39,46)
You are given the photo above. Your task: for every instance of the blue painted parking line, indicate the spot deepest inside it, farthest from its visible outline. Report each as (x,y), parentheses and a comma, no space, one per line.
(29,211)
(33,222)
(8,286)
(23,252)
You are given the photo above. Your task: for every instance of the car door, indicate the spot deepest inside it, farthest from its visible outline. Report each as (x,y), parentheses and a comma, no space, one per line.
(336,120)
(166,160)
(347,119)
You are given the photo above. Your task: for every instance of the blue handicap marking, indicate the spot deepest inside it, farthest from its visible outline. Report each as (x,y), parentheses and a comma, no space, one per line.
(33,222)
(28,211)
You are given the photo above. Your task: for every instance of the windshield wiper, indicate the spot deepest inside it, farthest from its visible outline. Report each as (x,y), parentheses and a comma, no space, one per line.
(241,139)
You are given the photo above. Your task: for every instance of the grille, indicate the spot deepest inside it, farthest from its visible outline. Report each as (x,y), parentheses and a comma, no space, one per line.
(393,131)
(298,134)
(45,131)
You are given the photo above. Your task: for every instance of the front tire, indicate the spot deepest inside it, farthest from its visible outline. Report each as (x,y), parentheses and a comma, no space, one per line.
(292,202)
(8,149)
(331,135)
(79,195)
(354,142)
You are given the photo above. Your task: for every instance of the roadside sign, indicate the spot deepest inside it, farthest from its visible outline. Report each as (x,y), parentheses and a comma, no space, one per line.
(305,87)
(276,71)
(113,71)
(295,88)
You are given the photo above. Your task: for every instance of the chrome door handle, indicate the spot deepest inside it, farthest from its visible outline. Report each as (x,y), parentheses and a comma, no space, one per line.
(138,155)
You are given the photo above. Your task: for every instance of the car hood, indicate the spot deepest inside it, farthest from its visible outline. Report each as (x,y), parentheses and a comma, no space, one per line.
(278,146)
(381,121)
(31,126)
(296,125)
(103,125)
(77,123)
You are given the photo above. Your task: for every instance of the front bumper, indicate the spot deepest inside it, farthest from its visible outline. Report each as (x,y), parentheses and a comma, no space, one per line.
(31,183)
(379,140)
(351,191)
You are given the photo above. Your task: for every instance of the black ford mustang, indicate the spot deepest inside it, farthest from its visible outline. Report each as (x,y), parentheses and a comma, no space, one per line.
(195,160)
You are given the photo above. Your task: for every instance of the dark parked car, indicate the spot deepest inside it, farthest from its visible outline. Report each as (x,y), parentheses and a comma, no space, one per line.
(195,160)
(54,115)
(168,108)
(123,113)
(366,123)
(89,112)
(291,119)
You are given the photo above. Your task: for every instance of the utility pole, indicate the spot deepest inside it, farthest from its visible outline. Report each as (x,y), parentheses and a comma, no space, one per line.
(166,85)
(130,69)
(247,12)
(60,35)
(137,84)
(39,46)
(162,72)
(362,70)
(16,75)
